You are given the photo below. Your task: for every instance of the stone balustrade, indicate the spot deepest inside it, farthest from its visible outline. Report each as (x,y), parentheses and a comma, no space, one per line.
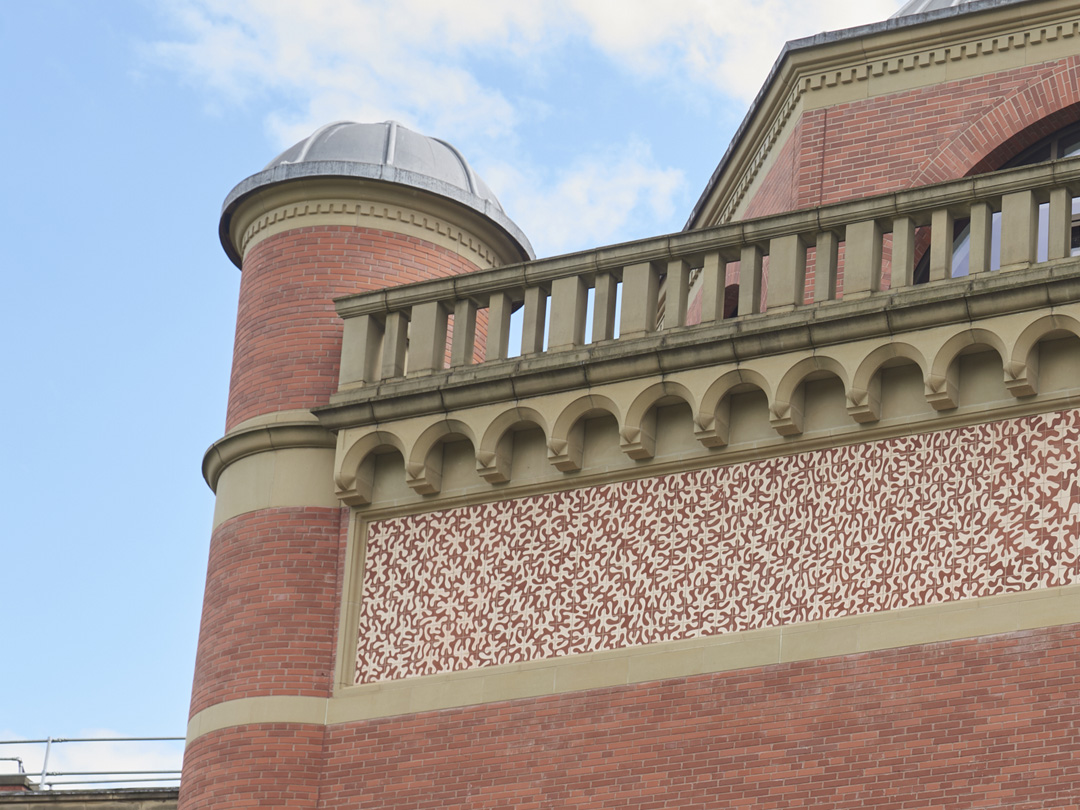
(619,392)
(403,332)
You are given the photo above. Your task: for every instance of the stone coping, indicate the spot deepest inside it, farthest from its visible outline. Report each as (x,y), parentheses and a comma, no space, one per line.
(884,315)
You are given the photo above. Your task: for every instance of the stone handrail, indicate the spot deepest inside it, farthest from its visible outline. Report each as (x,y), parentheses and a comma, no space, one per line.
(403,331)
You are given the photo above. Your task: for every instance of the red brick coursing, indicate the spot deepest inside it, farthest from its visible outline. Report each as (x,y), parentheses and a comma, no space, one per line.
(270,611)
(913,138)
(269,765)
(288,336)
(983,723)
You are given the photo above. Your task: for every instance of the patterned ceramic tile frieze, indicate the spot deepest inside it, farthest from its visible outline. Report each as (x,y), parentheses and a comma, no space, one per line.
(960,513)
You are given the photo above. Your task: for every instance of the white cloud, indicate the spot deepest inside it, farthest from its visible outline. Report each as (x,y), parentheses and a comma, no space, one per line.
(414,61)
(96,757)
(598,199)
(726,44)
(371,60)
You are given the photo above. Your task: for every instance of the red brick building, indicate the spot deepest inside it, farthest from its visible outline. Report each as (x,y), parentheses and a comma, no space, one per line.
(792,521)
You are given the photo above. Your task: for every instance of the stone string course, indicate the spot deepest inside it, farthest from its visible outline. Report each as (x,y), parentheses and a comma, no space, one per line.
(981,724)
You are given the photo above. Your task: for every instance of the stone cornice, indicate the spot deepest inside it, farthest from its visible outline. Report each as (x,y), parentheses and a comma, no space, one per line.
(883,316)
(357,202)
(260,438)
(878,63)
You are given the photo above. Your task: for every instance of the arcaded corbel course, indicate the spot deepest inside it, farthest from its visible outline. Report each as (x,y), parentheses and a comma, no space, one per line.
(423,466)
(493,455)
(942,382)
(860,361)
(786,410)
(566,442)
(637,437)
(711,419)
(864,395)
(355,476)
(1022,365)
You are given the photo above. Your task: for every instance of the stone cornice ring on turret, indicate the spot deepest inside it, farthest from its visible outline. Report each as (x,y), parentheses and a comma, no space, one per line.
(372,182)
(255,438)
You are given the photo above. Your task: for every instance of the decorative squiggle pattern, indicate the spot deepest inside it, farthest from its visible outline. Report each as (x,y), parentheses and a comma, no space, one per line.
(961,513)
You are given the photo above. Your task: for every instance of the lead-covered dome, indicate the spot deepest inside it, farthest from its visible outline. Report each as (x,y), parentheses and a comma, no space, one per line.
(387,152)
(924,6)
(391,147)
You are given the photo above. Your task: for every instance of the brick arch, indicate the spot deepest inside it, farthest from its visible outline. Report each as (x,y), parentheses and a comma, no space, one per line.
(1010,126)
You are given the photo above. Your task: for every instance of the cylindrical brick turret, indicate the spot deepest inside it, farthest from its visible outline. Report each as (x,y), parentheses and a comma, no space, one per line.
(354,207)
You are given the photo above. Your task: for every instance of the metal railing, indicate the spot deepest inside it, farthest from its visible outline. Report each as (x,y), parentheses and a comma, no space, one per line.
(429,327)
(43,750)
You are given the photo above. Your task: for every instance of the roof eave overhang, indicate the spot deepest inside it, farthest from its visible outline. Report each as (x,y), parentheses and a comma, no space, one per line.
(838,49)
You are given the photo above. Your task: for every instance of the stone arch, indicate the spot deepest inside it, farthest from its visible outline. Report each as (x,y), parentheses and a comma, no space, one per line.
(492,459)
(786,410)
(638,434)
(565,444)
(942,384)
(355,476)
(864,395)
(1022,365)
(1008,128)
(712,418)
(423,466)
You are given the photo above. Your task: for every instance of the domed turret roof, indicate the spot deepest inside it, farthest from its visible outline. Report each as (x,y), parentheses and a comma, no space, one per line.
(392,147)
(385,151)
(923,6)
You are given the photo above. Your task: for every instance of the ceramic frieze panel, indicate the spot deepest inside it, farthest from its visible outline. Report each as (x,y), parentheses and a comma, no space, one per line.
(969,512)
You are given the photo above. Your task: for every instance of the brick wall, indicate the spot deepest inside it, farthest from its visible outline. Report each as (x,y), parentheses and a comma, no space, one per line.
(288,336)
(268,765)
(913,138)
(270,609)
(983,723)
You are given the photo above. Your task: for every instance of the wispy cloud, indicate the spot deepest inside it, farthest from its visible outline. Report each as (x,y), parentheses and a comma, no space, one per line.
(93,760)
(593,201)
(306,64)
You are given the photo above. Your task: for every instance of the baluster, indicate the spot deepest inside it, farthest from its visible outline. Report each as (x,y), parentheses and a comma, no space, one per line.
(677,293)
(395,340)
(569,305)
(463,343)
(1060,231)
(1019,228)
(604,296)
(980,240)
(903,252)
(532,332)
(826,259)
(787,272)
(427,341)
(713,281)
(862,259)
(641,288)
(941,244)
(750,280)
(360,351)
(500,307)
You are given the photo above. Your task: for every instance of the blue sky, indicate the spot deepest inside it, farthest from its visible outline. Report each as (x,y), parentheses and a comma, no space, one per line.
(127,122)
